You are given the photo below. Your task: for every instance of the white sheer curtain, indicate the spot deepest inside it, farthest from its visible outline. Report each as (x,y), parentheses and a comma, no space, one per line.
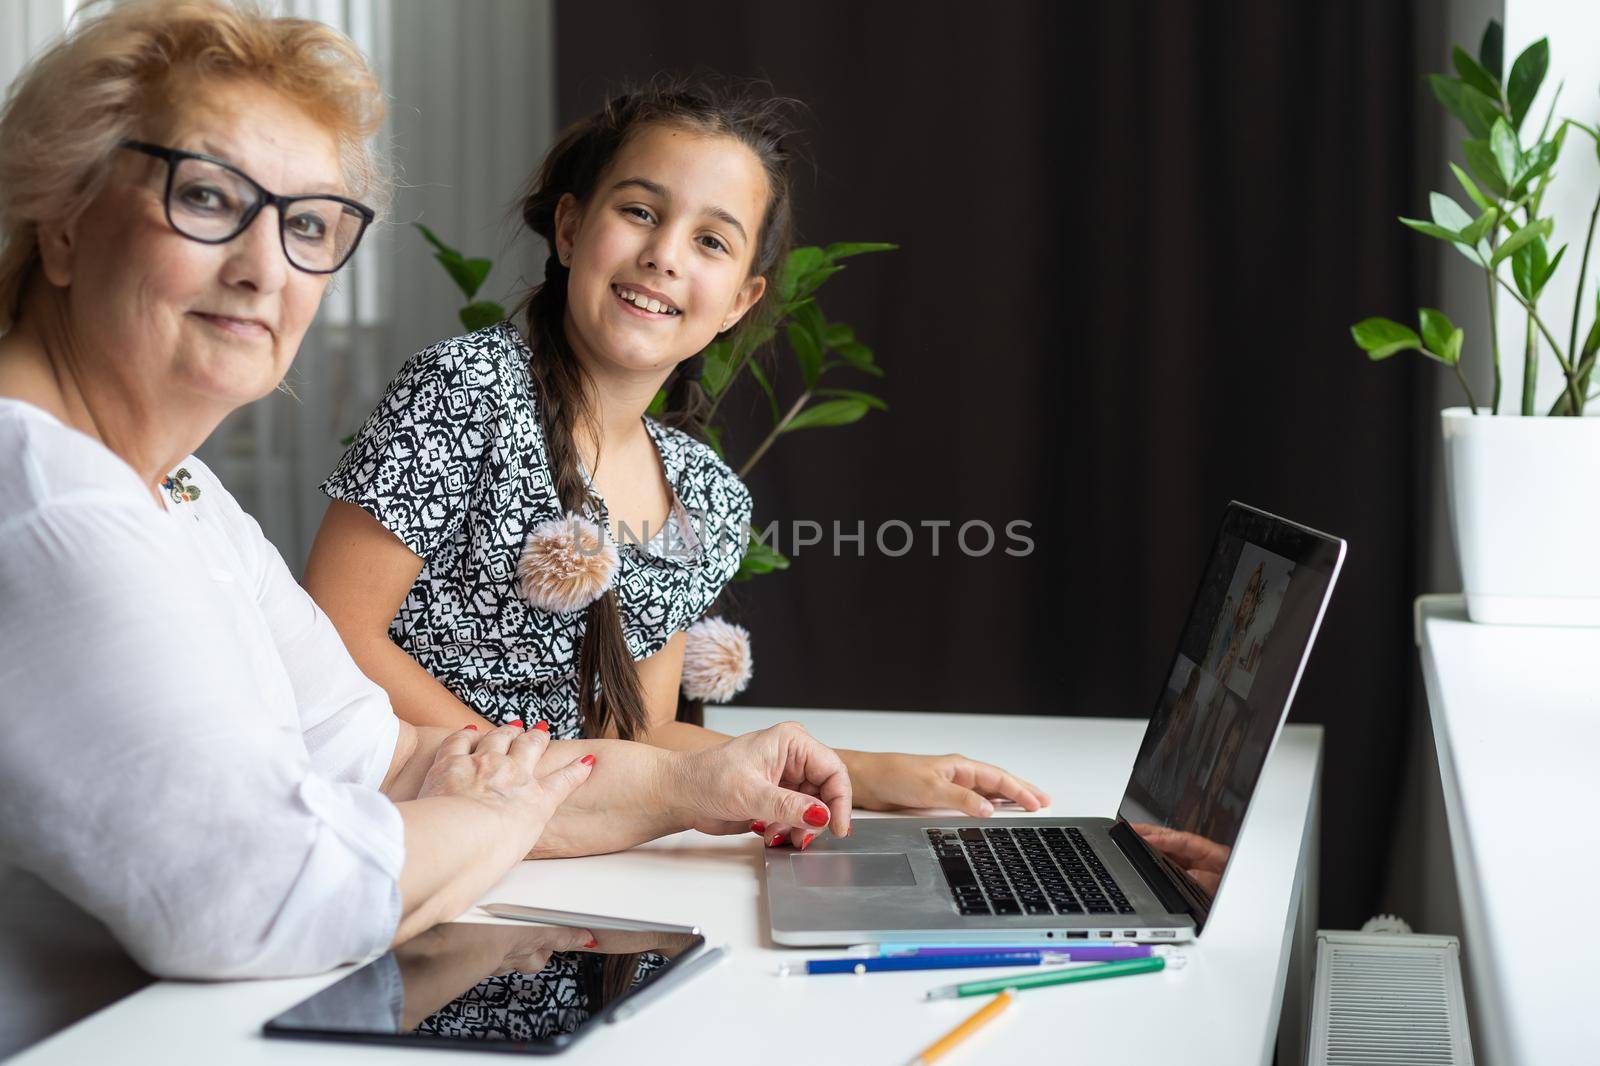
(471,110)
(471,92)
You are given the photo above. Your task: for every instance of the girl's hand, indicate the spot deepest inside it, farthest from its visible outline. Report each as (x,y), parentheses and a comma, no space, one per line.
(1201,858)
(780,778)
(500,770)
(887,781)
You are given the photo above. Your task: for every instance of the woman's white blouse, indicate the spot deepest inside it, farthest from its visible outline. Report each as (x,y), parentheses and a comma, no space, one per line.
(190,755)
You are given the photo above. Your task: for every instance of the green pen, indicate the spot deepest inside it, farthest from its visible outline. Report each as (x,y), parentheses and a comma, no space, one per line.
(1063,976)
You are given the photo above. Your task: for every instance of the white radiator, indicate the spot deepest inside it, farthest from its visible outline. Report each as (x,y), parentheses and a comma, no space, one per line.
(1388,999)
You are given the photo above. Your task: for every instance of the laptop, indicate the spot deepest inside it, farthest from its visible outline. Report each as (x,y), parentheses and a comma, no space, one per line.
(1153,871)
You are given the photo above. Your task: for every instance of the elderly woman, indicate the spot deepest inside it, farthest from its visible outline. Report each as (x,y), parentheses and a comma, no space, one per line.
(193,765)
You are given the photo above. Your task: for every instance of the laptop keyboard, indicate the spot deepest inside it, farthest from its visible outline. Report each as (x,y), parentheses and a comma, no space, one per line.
(997,870)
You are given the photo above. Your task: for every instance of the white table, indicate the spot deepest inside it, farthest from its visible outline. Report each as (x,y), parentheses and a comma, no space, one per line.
(1223,1007)
(1516,720)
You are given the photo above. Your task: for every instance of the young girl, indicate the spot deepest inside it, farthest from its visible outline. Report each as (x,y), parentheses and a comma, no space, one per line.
(510,537)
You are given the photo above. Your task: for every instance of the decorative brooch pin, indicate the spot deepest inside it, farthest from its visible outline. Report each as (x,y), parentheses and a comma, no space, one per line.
(181,493)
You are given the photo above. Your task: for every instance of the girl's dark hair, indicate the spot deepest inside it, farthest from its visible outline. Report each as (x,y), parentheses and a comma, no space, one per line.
(608,686)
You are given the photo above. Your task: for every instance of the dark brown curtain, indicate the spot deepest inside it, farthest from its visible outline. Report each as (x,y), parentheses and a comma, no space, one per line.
(1133,238)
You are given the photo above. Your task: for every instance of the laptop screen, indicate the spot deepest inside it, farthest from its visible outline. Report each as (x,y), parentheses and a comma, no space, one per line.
(1228,690)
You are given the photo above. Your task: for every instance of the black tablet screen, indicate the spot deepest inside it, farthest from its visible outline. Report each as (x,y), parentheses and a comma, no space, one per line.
(520,987)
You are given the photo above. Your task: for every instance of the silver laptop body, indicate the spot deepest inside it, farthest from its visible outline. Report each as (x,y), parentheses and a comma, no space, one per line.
(1152,872)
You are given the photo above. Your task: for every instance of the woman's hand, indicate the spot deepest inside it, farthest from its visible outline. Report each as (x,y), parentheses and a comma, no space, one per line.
(781,778)
(887,781)
(500,770)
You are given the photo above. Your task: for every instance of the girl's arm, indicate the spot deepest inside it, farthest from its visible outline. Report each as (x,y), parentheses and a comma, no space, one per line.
(638,792)
(882,780)
(359,573)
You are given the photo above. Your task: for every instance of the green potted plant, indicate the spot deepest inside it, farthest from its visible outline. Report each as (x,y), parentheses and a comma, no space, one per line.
(1523,504)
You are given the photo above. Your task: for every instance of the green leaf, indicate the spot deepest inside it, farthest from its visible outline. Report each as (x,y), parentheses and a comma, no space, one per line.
(1476,111)
(1532,268)
(477,270)
(1447,213)
(1523,270)
(1470,188)
(1382,337)
(429,236)
(801,262)
(827,413)
(1527,74)
(811,282)
(1491,49)
(1507,153)
(345,442)
(718,367)
(1452,348)
(1550,268)
(809,317)
(1436,327)
(766,387)
(838,333)
(658,405)
(714,438)
(1527,263)
(759,558)
(1483,164)
(1479,228)
(852,394)
(1473,73)
(1532,231)
(807,351)
(1438,232)
(846,249)
(859,356)
(1539,159)
(468,274)
(481,315)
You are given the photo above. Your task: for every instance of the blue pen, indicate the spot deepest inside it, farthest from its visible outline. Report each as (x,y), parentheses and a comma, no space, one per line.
(911,962)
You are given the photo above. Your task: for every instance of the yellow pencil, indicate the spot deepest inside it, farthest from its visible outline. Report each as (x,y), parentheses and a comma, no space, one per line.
(940,1047)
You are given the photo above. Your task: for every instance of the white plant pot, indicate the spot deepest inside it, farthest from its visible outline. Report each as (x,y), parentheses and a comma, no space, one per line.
(1525,514)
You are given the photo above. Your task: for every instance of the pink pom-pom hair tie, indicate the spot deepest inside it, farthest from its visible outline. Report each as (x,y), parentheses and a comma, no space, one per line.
(566,565)
(716,661)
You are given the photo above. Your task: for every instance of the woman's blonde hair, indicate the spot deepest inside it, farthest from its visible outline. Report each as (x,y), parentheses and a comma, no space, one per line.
(66,113)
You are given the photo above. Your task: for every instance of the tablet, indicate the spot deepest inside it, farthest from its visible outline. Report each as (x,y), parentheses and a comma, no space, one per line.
(524,988)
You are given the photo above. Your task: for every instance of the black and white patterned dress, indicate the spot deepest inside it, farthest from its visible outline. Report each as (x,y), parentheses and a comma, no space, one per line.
(453,462)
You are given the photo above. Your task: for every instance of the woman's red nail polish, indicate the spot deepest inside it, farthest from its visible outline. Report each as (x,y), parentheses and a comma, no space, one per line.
(779,841)
(816,815)
(587,760)
(515,723)
(808,838)
(593,943)
(758,827)
(543,727)
(473,728)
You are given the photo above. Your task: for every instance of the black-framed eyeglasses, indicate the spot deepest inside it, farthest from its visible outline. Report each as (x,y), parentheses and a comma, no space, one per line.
(211,201)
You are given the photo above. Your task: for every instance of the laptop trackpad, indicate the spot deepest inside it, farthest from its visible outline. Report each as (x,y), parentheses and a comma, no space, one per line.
(852,870)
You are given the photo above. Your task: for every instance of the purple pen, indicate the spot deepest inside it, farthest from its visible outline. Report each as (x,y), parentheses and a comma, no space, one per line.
(1073,953)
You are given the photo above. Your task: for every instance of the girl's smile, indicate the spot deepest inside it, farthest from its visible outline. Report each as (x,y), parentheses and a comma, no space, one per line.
(645,302)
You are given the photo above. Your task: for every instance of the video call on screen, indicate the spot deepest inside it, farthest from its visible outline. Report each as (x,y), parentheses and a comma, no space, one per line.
(1236,662)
